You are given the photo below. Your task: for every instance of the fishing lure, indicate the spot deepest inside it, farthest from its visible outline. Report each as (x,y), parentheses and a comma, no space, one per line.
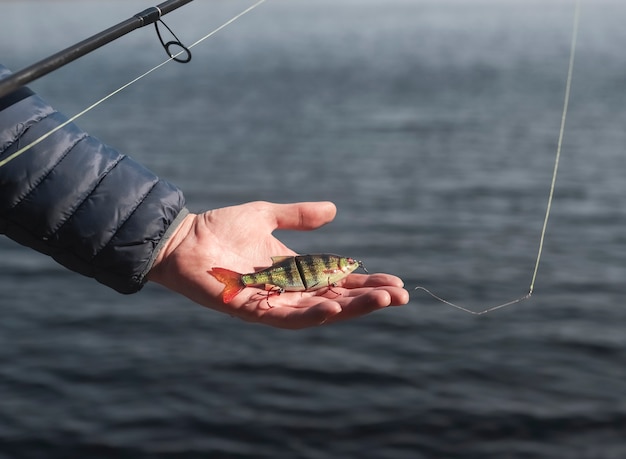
(300,273)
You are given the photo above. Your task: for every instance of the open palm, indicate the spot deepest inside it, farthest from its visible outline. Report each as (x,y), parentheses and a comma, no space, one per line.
(240,238)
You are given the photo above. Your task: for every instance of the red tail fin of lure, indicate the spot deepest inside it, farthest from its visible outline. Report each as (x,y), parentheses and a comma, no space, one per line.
(231,280)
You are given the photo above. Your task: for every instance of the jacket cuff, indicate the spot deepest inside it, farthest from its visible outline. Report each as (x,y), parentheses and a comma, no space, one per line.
(168,234)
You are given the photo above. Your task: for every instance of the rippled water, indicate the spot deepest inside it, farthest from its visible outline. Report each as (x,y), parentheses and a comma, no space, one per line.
(433,126)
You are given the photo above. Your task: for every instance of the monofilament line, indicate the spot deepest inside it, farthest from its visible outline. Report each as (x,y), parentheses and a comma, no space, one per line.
(25,148)
(568,87)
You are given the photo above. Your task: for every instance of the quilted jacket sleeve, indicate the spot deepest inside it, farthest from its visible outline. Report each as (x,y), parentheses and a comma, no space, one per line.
(92,209)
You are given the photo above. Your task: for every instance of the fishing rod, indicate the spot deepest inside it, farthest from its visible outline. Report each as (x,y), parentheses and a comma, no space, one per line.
(149,16)
(166,7)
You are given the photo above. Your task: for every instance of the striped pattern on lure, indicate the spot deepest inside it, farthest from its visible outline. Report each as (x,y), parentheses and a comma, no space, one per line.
(301,273)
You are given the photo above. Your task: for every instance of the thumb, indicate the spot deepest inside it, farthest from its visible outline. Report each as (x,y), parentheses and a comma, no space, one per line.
(303,215)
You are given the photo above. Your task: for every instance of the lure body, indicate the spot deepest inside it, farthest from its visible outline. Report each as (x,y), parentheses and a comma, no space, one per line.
(301,273)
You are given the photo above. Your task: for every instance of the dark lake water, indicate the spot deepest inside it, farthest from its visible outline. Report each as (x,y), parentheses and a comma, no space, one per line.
(433,126)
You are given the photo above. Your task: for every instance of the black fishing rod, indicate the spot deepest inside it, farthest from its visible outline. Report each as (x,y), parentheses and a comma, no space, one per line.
(58,60)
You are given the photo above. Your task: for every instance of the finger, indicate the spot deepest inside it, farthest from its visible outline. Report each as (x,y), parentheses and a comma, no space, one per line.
(297,318)
(397,296)
(310,313)
(303,215)
(352,308)
(371,280)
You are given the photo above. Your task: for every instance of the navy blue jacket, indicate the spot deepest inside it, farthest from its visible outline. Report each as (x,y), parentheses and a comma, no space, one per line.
(92,209)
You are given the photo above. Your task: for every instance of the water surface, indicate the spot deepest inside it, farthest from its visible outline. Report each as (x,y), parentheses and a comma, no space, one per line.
(433,127)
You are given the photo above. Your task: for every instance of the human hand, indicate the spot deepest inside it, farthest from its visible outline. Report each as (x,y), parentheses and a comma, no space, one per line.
(240,238)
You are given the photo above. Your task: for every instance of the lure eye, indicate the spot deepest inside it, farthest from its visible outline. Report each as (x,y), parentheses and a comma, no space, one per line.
(352,261)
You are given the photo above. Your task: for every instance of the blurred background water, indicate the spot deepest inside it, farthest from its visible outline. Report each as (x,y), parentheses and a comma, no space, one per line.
(433,126)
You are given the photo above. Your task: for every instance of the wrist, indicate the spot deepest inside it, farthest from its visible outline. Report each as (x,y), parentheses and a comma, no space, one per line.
(172,239)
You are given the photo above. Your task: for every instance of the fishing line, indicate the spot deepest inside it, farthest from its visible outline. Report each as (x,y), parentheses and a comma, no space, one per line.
(173,57)
(568,87)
